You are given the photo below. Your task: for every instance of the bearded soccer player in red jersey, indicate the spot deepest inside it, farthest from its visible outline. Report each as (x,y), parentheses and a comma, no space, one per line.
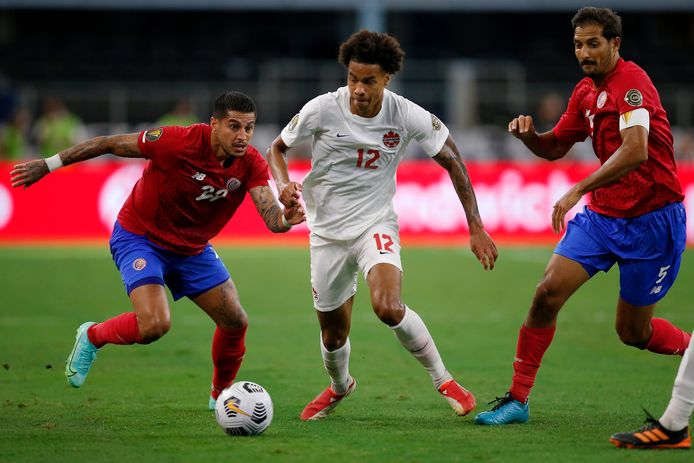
(635,219)
(195,180)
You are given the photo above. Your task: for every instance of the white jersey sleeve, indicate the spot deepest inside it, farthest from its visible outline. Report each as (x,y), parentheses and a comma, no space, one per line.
(426,129)
(303,125)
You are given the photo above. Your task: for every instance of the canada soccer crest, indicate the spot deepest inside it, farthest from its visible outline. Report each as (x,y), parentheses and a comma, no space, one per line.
(391,139)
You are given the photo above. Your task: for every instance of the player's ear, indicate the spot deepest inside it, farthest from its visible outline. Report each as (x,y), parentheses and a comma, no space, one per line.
(213,122)
(616,43)
(386,79)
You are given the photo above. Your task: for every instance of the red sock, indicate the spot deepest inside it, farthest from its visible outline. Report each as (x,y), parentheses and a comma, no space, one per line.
(117,330)
(667,338)
(532,344)
(228,347)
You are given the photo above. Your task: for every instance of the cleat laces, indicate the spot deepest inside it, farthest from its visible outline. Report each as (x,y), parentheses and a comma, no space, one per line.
(650,421)
(500,401)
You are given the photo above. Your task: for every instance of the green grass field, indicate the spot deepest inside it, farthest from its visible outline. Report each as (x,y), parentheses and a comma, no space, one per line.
(148,403)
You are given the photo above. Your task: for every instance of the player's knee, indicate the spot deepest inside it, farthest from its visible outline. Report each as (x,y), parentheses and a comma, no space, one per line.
(153,328)
(547,301)
(334,339)
(388,310)
(232,318)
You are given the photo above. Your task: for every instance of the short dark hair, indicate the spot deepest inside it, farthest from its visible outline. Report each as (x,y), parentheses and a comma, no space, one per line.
(232,101)
(607,18)
(372,48)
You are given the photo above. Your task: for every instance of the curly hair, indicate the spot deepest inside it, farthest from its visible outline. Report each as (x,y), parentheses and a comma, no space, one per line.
(372,48)
(609,20)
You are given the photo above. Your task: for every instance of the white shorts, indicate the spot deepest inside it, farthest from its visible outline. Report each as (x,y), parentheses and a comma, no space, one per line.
(335,263)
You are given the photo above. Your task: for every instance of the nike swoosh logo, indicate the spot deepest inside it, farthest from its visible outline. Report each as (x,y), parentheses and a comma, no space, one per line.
(340,135)
(233,407)
(414,351)
(383,252)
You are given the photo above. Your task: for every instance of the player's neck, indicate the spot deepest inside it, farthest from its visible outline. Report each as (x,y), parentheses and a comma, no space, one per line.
(370,112)
(598,81)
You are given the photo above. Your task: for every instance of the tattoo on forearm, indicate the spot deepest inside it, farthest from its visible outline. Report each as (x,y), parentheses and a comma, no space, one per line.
(120,145)
(267,207)
(461,182)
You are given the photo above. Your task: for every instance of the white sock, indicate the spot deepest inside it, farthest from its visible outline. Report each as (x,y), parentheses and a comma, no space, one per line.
(679,410)
(337,366)
(414,336)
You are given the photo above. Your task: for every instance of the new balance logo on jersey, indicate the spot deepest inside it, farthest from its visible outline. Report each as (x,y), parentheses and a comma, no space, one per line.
(199,176)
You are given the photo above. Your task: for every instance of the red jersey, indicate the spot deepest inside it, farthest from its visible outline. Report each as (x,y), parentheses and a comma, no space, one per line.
(595,112)
(185,196)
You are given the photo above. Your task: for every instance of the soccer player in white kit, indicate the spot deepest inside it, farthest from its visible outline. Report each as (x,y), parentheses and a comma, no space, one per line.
(359,134)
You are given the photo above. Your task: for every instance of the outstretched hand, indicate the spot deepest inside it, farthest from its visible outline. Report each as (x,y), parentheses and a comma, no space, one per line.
(295,215)
(28,173)
(484,249)
(290,195)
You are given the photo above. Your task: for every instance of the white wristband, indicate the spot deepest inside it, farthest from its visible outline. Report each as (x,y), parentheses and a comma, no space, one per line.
(53,162)
(285,223)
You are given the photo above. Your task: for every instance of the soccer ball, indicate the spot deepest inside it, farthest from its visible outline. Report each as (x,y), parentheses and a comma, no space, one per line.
(244,409)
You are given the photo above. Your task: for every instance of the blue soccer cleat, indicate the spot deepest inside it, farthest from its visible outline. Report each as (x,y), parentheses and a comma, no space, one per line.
(212,404)
(81,358)
(506,411)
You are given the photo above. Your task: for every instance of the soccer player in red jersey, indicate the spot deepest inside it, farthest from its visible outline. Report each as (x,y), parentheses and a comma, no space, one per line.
(635,218)
(196,179)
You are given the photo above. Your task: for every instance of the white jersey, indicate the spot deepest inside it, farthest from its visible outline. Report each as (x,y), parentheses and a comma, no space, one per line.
(352,180)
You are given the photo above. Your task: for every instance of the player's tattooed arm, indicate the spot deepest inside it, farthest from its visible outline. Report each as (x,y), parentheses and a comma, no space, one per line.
(30,172)
(272,214)
(482,245)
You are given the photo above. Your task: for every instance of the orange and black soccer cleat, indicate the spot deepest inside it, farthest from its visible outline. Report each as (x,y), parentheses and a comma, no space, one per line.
(325,402)
(653,436)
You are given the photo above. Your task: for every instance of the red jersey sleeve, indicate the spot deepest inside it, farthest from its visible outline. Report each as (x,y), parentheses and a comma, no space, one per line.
(571,127)
(259,172)
(634,90)
(160,144)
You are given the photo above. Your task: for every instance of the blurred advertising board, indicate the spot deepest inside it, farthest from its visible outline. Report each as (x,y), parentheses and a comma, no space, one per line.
(80,203)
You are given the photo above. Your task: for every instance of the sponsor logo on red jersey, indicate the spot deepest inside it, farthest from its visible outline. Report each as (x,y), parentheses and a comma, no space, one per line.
(391,139)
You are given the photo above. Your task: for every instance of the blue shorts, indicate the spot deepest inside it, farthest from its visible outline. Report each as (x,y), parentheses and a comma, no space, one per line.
(141,262)
(648,249)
